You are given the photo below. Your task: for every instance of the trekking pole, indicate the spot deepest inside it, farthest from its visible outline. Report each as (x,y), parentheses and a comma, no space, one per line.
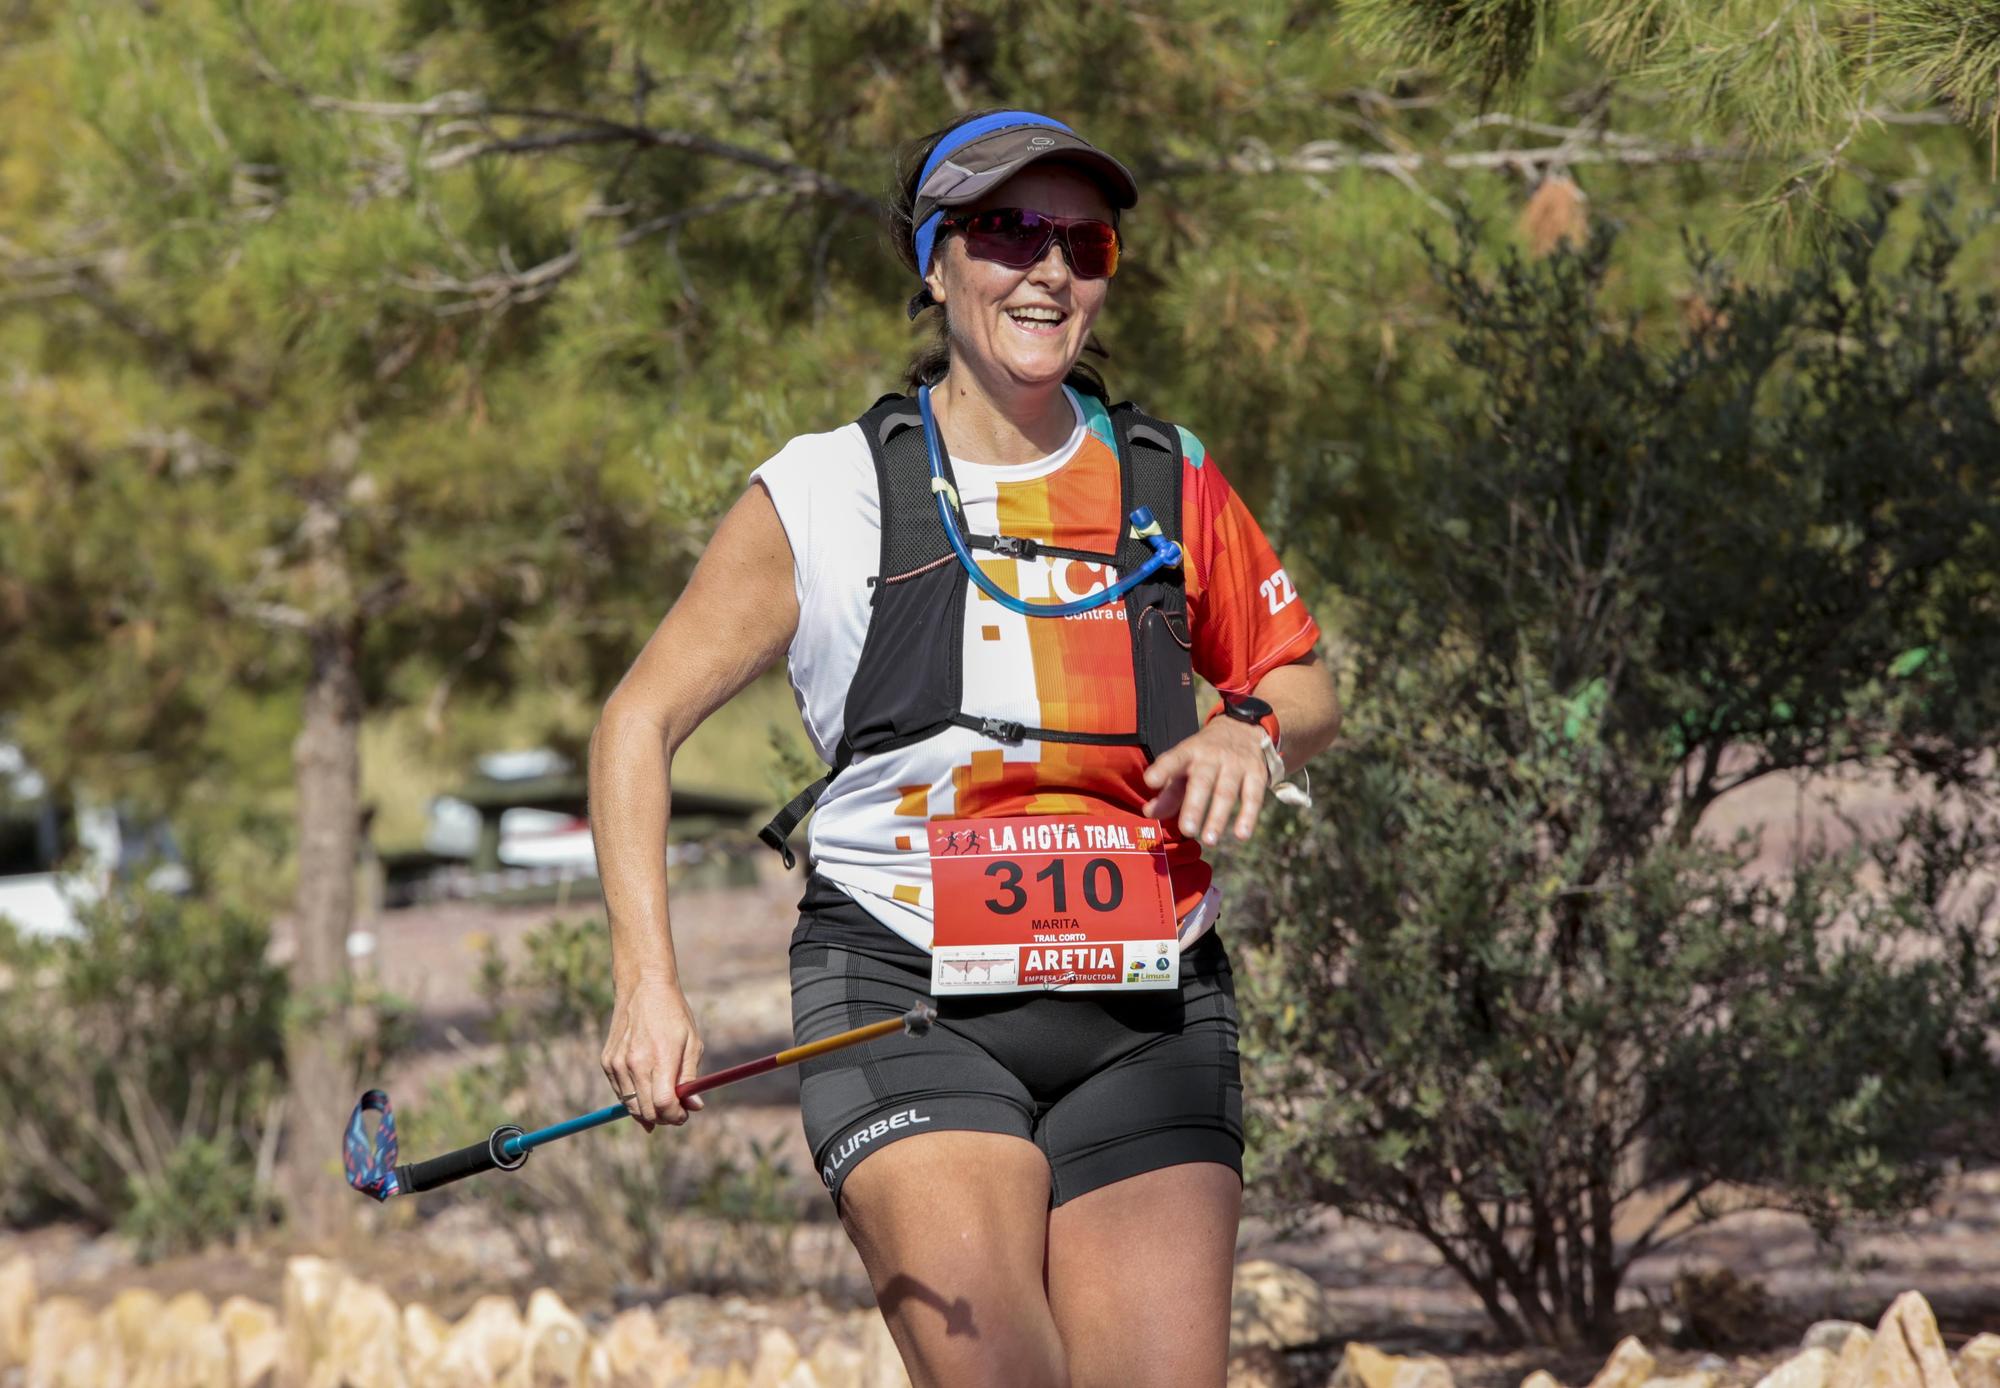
(371,1163)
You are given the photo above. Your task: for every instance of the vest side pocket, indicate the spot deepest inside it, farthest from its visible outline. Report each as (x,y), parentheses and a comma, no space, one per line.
(1166,677)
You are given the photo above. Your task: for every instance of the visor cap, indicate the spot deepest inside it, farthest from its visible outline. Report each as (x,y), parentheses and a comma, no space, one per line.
(974,169)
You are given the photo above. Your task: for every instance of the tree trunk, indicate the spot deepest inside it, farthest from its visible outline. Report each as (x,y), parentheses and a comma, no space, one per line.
(327,761)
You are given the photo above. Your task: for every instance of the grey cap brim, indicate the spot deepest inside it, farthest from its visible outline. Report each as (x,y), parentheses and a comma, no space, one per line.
(969,174)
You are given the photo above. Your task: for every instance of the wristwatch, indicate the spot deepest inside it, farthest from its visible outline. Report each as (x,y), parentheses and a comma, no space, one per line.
(1248,708)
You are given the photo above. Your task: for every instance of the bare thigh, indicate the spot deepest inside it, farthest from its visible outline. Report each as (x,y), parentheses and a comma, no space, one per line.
(1139,1273)
(952,1227)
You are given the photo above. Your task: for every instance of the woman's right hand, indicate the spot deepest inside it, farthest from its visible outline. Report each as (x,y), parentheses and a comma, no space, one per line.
(652,1046)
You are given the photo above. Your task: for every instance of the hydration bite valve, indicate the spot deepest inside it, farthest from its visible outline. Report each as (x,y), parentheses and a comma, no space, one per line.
(917,1021)
(1145,527)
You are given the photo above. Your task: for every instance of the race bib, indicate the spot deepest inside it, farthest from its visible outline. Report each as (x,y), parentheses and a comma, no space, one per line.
(1051,901)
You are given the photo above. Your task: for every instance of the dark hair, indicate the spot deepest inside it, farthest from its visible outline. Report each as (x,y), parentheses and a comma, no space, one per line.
(931,361)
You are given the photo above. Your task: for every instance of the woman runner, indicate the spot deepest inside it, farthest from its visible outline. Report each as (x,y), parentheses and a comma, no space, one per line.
(1046,1190)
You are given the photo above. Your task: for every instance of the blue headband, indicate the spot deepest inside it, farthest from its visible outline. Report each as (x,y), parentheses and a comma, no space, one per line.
(959,138)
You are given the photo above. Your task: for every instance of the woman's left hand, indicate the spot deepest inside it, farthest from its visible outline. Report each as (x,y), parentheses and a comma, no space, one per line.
(1205,778)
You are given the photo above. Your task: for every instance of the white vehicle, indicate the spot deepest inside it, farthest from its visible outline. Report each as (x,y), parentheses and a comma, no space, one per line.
(56,858)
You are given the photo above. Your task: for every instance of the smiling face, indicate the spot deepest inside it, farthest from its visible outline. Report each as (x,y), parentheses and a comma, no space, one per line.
(1024,326)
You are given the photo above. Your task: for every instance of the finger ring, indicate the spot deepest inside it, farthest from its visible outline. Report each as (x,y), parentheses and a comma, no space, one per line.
(627,1098)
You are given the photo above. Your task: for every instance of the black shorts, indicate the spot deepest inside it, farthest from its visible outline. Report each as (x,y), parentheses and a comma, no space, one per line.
(1107,1084)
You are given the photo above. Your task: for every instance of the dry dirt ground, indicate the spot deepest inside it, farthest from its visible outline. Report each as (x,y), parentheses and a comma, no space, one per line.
(1390,1288)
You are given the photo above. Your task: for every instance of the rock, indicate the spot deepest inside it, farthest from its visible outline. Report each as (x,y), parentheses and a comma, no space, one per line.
(185,1353)
(1277,1307)
(1629,1366)
(92,1364)
(1851,1359)
(424,1336)
(310,1288)
(882,1364)
(483,1345)
(17,1308)
(1811,1368)
(364,1341)
(1540,1378)
(639,1355)
(256,1340)
(555,1348)
(777,1352)
(837,1363)
(1364,1366)
(127,1324)
(1828,1335)
(1694,1378)
(1260,1366)
(189,1308)
(185,1349)
(57,1328)
(1908,1352)
(1978,1363)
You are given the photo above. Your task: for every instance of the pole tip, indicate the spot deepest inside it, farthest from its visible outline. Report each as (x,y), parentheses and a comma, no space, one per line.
(917,1021)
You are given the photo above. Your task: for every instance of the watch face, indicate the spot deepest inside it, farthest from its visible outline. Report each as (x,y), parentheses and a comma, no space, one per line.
(1248,709)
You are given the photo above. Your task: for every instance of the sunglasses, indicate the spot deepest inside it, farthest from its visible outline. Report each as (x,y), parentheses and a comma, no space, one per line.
(1017,238)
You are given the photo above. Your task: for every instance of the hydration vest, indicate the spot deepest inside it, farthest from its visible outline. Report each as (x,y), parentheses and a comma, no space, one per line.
(909,682)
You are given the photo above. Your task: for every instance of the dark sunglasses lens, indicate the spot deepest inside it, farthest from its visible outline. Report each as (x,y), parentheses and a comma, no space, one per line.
(1008,236)
(1017,238)
(1093,249)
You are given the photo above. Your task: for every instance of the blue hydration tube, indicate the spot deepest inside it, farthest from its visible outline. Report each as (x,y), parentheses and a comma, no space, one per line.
(1165,551)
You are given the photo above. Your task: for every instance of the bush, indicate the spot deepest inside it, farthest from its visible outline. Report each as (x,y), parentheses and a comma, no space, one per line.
(139,1070)
(683,1208)
(1505,985)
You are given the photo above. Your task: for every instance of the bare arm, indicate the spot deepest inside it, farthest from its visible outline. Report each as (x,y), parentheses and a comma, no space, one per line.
(733,621)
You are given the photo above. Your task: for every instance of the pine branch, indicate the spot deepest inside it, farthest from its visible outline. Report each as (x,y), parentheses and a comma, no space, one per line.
(77,277)
(1335,156)
(508,285)
(583,128)
(587,129)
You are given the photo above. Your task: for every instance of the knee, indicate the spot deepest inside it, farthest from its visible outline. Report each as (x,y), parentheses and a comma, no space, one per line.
(973,1342)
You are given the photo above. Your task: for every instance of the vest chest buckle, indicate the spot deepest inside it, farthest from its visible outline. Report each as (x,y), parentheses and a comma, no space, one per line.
(1001,729)
(1015,547)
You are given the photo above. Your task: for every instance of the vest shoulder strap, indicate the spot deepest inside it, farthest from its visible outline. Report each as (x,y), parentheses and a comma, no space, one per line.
(1149,455)
(912,533)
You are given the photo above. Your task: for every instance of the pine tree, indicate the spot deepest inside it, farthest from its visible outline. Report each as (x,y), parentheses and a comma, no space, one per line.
(1796,82)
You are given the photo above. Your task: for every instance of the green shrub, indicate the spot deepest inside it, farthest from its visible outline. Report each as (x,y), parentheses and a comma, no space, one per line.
(1505,988)
(203,1190)
(139,1070)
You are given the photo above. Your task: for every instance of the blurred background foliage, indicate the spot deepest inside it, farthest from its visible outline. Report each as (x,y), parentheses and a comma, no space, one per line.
(1617,376)
(139,1071)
